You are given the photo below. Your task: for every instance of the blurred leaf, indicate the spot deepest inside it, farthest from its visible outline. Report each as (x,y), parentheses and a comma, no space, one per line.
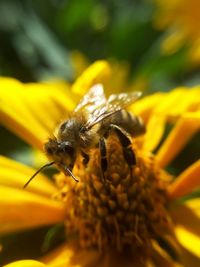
(37,46)
(76,13)
(53,53)
(162,72)
(131,32)
(14,147)
(53,237)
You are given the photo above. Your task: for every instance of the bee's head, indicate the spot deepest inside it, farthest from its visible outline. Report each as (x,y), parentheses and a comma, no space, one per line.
(62,152)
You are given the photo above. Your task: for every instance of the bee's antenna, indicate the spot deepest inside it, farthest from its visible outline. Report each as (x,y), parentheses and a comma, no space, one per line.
(43,167)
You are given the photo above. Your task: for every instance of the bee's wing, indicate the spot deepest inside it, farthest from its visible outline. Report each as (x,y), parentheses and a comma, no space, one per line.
(114,104)
(92,100)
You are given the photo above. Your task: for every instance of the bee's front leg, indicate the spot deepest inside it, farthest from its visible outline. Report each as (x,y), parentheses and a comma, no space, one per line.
(103,152)
(67,171)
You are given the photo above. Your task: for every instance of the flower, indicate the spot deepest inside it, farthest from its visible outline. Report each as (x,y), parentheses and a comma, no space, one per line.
(134,217)
(182,18)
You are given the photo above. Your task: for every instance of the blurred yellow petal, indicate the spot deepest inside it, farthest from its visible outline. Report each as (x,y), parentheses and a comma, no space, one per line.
(17,125)
(181,17)
(186,218)
(15,174)
(98,72)
(170,100)
(25,263)
(194,53)
(182,132)
(79,61)
(186,182)
(140,83)
(119,77)
(73,255)
(172,43)
(190,102)
(188,240)
(158,119)
(54,100)
(145,106)
(32,110)
(21,210)
(154,132)
(164,103)
(194,205)
(187,215)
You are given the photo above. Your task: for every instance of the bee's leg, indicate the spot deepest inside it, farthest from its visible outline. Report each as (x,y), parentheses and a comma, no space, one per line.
(86,158)
(104,163)
(68,171)
(125,141)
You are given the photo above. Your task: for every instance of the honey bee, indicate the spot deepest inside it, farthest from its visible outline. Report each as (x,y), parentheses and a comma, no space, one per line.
(89,126)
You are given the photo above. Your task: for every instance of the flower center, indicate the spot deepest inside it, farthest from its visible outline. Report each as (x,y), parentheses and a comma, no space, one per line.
(126,210)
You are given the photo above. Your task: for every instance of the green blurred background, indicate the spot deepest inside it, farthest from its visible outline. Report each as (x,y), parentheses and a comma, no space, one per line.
(38,37)
(37,40)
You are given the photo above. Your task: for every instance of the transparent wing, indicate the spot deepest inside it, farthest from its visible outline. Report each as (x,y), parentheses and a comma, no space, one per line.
(93,100)
(114,104)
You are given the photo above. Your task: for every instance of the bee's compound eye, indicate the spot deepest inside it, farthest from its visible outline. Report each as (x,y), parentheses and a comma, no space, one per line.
(50,146)
(67,147)
(69,150)
(49,150)
(63,126)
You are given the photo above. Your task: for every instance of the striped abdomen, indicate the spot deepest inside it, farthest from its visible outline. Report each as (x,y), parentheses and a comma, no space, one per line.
(130,123)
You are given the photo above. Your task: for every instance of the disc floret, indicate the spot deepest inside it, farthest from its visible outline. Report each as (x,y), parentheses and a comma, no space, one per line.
(126,211)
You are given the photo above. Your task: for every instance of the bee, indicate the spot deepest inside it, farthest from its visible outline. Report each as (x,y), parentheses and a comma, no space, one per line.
(89,126)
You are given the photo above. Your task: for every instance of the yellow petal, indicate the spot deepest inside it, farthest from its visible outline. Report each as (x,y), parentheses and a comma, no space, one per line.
(170,100)
(52,102)
(16,116)
(186,218)
(32,111)
(183,131)
(145,106)
(98,72)
(79,61)
(72,255)
(188,240)
(190,102)
(25,263)
(21,210)
(157,109)
(22,129)
(194,53)
(157,121)
(185,183)
(154,132)
(187,215)
(15,174)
